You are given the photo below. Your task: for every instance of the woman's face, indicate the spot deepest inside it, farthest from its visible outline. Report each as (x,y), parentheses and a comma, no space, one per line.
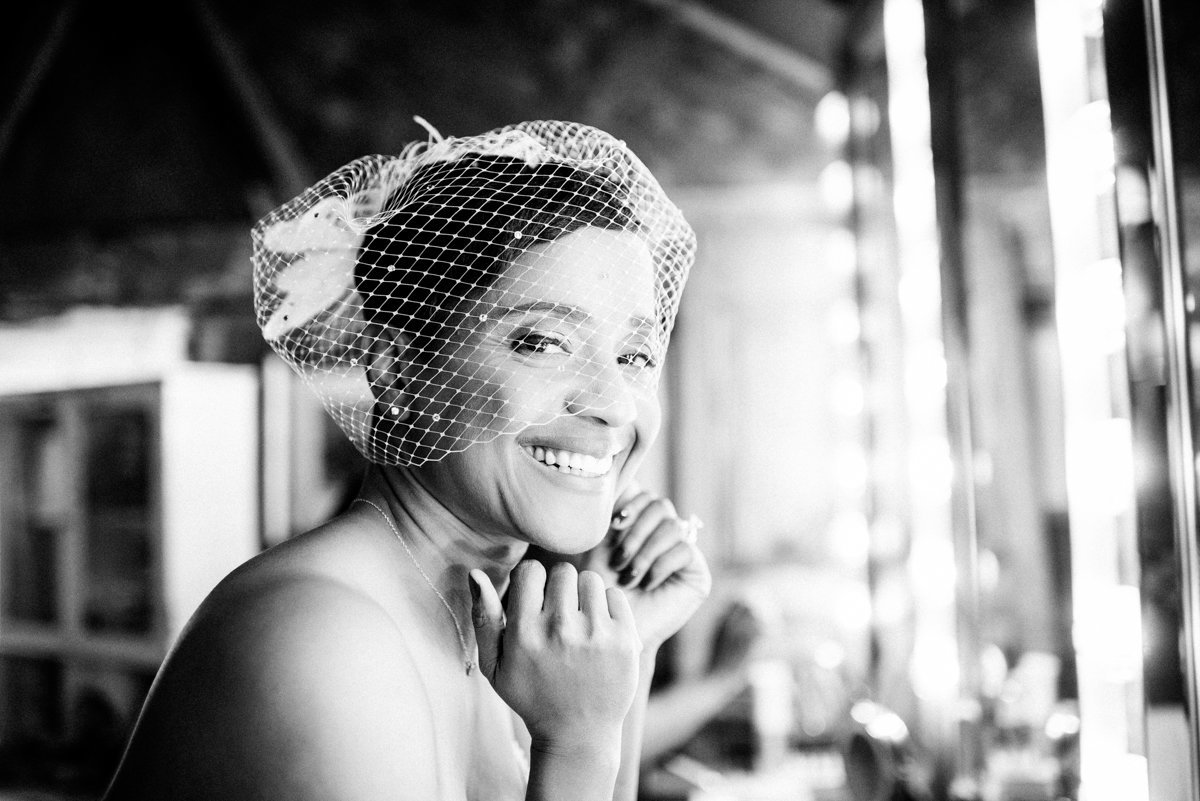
(560,359)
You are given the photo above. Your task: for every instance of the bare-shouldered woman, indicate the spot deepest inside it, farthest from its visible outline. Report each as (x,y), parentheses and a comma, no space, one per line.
(486,318)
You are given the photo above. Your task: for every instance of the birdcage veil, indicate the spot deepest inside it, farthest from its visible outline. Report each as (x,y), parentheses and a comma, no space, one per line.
(377,284)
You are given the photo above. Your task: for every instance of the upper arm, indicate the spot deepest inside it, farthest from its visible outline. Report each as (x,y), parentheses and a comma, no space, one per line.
(303,691)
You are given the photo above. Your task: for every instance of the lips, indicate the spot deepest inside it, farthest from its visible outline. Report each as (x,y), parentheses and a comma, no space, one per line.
(570,462)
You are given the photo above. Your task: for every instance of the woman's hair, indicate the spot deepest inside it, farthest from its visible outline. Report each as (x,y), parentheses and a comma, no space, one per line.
(467,220)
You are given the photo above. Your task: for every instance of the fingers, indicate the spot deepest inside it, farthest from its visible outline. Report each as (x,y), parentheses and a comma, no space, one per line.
(592,601)
(556,597)
(487,614)
(562,590)
(664,538)
(526,593)
(676,558)
(569,591)
(645,515)
(629,507)
(625,498)
(618,606)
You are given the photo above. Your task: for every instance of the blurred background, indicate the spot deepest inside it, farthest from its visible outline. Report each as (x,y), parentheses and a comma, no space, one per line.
(931,386)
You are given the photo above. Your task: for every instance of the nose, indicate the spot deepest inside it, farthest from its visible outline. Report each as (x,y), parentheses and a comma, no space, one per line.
(603,393)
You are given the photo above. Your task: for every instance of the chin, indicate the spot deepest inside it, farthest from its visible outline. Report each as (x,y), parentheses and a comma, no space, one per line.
(564,512)
(569,531)
(580,537)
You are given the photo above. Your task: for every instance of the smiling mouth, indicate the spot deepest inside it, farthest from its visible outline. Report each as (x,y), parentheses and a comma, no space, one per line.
(574,464)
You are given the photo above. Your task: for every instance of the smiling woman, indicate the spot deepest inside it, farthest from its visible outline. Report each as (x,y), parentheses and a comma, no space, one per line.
(486,318)
(571,377)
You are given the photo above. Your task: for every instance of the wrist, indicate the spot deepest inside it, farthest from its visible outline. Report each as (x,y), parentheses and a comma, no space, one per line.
(581,768)
(598,748)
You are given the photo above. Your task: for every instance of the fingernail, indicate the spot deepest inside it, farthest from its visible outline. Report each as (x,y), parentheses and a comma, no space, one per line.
(478,616)
(620,519)
(617,559)
(628,577)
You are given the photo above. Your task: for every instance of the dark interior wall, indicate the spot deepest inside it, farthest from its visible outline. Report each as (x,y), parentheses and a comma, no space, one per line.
(126,124)
(132,162)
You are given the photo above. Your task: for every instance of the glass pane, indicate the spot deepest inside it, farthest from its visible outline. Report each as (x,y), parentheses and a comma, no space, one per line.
(31,714)
(1160,168)
(99,714)
(118,580)
(64,725)
(1020,663)
(29,557)
(914,503)
(1049,626)
(118,459)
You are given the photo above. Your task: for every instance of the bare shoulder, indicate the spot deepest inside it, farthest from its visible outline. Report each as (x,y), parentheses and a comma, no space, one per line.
(285,685)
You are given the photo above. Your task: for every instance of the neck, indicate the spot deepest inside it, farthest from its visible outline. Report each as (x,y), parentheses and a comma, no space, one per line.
(441,544)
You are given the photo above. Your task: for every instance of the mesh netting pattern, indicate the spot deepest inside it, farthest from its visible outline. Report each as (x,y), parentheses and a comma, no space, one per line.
(473,287)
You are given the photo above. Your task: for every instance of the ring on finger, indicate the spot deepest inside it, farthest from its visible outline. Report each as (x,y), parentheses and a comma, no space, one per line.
(691,528)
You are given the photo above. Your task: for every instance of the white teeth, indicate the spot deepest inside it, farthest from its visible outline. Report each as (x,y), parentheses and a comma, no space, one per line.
(576,464)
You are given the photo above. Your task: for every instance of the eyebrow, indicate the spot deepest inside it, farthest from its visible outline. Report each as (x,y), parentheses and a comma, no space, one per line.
(639,323)
(569,313)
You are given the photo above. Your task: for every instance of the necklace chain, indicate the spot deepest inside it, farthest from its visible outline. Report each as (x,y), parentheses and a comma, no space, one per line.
(467,661)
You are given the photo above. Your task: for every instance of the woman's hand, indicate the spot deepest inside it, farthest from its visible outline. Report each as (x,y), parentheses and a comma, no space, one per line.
(651,553)
(566,658)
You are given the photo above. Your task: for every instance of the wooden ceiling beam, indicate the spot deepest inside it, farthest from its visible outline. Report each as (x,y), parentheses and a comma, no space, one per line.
(804,72)
(288,167)
(43,59)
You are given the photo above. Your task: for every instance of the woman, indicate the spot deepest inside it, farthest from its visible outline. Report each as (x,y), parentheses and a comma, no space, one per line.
(485,317)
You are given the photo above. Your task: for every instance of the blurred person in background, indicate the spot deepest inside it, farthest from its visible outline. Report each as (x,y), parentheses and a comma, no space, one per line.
(679,709)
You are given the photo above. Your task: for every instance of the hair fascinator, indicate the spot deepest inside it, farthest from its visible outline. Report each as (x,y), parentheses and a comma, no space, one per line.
(408,294)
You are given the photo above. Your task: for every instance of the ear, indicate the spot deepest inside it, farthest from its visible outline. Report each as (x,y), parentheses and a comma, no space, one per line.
(387,373)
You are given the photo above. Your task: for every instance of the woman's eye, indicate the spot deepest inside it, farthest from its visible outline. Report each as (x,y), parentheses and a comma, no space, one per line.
(540,343)
(639,359)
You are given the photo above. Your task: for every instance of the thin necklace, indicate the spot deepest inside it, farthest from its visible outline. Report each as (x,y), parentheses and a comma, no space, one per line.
(467,661)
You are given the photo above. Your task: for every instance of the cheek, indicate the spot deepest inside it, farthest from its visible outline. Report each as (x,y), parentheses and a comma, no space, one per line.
(514,401)
(649,417)
(473,404)
(649,421)
(465,482)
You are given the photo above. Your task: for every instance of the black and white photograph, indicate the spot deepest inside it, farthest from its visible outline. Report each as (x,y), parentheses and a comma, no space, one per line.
(600,400)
